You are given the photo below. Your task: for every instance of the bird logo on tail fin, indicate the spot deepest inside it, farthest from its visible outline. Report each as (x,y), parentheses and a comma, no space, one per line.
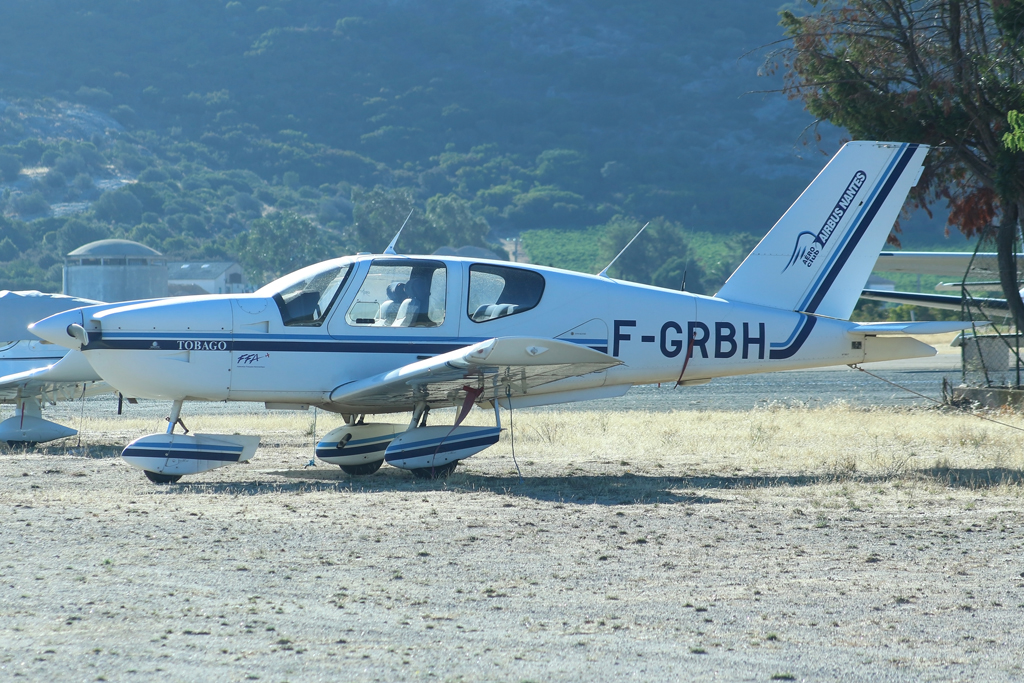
(806,251)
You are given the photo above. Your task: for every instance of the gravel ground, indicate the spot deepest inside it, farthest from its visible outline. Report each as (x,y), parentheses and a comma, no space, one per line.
(587,569)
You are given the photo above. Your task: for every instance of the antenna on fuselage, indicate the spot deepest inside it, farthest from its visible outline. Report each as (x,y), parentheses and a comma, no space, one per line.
(604,273)
(391,247)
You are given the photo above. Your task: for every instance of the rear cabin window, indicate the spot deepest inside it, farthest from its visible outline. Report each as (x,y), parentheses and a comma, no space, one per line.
(401,293)
(308,301)
(497,291)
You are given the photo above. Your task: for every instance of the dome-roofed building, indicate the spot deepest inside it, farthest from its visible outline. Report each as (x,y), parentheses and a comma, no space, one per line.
(115,270)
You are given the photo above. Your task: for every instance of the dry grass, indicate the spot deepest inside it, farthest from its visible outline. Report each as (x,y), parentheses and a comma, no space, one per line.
(838,440)
(833,543)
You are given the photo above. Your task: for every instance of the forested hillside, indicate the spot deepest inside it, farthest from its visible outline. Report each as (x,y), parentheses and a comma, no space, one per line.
(279,131)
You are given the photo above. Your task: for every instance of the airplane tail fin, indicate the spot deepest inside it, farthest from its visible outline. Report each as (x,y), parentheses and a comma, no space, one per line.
(818,256)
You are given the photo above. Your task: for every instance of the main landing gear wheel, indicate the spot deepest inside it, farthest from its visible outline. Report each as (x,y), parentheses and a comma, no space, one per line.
(363,469)
(439,472)
(158,478)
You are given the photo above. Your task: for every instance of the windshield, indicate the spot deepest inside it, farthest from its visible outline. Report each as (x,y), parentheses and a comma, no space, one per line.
(286,281)
(306,296)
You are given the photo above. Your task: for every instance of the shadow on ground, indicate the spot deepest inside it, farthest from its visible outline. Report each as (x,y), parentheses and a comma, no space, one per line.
(623,489)
(93,451)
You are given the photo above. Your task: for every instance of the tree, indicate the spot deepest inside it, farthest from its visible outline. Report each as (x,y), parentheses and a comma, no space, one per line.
(1014,140)
(10,167)
(454,222)
(8,252)
(941,72)
(75,233)
(118,206)
(660,256)
(278,244)
(379,213)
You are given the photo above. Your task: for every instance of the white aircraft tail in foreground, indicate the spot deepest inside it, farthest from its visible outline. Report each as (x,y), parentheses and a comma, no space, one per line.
(373,334)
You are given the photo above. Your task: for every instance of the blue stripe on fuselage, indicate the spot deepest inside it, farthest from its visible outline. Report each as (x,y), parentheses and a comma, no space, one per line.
(304,344)
(801,337)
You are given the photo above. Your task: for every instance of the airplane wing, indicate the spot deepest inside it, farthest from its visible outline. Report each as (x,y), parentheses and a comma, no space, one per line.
(66,379)
(942,263)
(991,306)
(496,366)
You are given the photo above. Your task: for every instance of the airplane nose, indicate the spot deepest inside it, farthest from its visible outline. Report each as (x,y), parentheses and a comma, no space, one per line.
(64,329)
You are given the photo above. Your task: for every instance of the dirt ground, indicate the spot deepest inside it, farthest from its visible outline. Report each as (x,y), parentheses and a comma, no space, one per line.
(706,546)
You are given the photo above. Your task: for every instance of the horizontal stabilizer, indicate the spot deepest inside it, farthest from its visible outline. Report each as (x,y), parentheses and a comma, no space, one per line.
(923,327)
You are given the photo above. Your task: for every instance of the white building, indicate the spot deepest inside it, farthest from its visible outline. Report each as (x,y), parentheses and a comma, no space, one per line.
(209,277)
(115,270)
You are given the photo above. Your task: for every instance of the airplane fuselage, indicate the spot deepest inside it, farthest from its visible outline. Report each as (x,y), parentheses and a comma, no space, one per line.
(238,347)
(388,333)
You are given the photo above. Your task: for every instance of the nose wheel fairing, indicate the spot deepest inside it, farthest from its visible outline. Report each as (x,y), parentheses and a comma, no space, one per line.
(27,425)
(177,454)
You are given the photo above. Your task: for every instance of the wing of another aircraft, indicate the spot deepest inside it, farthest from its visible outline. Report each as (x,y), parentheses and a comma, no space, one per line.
(69,378)
(19,309)
(64,379)
(984,264)
(33,373)
(496,366)
(991,306)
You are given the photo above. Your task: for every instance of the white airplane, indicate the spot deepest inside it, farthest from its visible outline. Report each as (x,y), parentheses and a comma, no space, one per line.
(980,265)
(33,371)
(373,334)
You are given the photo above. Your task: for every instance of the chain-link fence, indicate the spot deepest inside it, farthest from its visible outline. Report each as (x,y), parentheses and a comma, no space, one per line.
(990,354)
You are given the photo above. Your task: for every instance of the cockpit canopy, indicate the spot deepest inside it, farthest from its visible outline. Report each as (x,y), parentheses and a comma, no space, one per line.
(402,292)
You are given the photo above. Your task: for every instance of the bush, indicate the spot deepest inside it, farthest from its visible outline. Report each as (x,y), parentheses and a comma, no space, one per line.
(118,206)
(10,167)
(8,252)
(30,204)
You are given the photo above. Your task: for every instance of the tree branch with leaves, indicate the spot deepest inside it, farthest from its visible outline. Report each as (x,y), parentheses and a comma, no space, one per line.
(947,73)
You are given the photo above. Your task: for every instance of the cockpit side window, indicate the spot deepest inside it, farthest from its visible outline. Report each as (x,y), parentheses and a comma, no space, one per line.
(307,302)
(498,291)
(401,293)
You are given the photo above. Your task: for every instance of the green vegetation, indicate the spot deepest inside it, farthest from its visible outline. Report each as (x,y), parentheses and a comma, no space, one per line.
(571,249)
(279,133)
(869,311)
(661,256)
